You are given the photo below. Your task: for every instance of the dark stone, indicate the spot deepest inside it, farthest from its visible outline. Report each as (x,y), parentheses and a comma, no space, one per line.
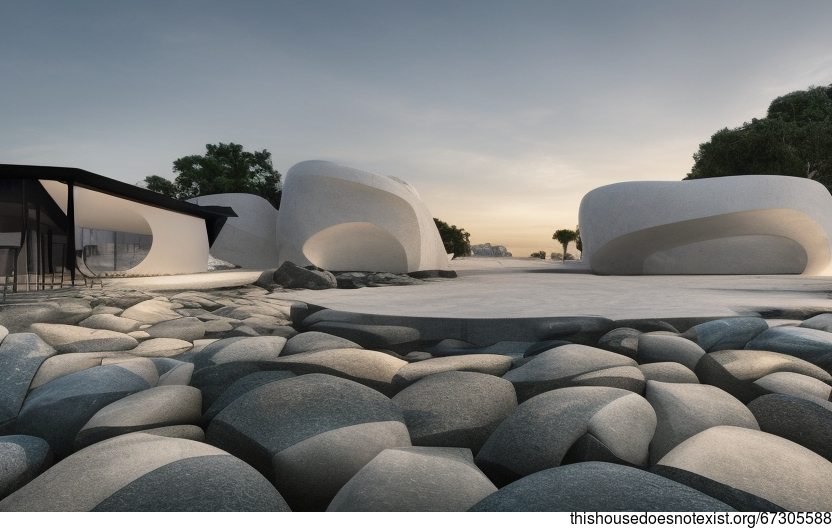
(543,346)
(22,458)
(433,274)
(730,333)
(123,300)
(735,498)
(218,483)
(814,346)
(622,341)
(646,325)
(396,338)
(266,280)
(275,428)
(213,381)
(290,275)
(21,355)
(59,409)
(455,409)
(804,422)
(581,330)
(597,486)
(314,341)
(240,387)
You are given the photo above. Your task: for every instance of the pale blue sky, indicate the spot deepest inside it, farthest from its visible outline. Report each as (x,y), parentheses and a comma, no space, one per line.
(501,114)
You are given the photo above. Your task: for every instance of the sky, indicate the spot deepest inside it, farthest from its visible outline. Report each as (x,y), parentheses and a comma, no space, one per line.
(501,114)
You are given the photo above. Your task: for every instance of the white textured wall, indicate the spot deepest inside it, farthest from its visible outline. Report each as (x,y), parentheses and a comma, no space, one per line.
(250,239)
(341,218)
(736,224)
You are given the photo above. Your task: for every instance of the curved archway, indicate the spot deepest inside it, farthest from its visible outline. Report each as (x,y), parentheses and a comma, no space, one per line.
(356,246)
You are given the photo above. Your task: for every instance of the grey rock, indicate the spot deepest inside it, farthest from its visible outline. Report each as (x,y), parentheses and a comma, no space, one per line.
(214,380)
(804,422)
(487,250)
(66,338)
(795,384)
(415,479)
(814,346)
(368,367)
(371,336)
(647,325)
(148,409)
(455,409)
(110,322)
(597,486)
(735,371)
(58,410)
(309,435)
(660,348)
(684,410)
(557,368)
(186,432)
(21,355)
(542,346)
(573,424)
(185,328)
(284,331)
(290,275)
(241,331)
(143,367)
(240,387)
(493,364)
(121,300)
(143,472)
(62,364)
(762,464)
(736,498)
(179,375)
(580,330)
(621,341)
(314,341)
(668,372)
(726,334)
(260,348)
(18,317)
(151,311)
(161,347)
(196,299)
(819,322)
(266,280)
(22,458)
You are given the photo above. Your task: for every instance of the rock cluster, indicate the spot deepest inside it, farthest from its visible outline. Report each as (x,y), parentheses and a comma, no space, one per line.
(243,400)
(487,250)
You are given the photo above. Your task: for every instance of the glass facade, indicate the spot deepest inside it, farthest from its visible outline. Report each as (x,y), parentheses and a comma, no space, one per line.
(109,252)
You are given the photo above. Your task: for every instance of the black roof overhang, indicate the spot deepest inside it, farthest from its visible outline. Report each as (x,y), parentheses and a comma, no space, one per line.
(214,216)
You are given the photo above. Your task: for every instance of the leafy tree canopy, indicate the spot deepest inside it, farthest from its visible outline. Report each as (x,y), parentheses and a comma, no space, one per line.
(455,239)
(794,139)
(225,168)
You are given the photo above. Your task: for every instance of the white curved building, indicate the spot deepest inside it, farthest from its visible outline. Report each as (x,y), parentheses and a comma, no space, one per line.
(248,240)
(731,225)
(344,219)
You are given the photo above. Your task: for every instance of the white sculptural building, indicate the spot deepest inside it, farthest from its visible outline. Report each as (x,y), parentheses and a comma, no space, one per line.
(729,225)
(344,219)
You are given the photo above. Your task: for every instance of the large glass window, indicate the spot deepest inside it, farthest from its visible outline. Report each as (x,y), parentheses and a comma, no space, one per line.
(111,251)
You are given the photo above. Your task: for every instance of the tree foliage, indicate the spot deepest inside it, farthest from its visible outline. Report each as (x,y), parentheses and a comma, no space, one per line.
(539,254)
(794,139)
(564,237)
(225,168)
(455,239)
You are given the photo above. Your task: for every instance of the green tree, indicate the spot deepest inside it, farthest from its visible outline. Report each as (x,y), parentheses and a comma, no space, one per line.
(794,139)
(539,254)
(455,239)
(578,244)
(564,237)
(225,168)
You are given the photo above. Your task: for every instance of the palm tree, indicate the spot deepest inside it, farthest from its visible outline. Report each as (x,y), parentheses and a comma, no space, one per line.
(565,236)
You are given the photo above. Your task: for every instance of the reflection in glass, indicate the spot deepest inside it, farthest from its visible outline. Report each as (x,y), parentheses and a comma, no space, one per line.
(106,251)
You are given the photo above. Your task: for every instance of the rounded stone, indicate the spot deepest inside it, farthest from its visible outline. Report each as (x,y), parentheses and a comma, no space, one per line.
(660,348)
(455,409)
(415,479)
(597,486)
(771,467)
(572,424)
(804,422)
(315,341)
(668,372)
(143,472)
(730,333)
(493,364)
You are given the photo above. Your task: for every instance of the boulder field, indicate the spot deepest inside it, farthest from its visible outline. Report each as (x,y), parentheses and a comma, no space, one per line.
(241,399)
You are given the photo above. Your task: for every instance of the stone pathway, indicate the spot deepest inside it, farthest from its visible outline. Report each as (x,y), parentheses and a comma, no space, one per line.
(238,399)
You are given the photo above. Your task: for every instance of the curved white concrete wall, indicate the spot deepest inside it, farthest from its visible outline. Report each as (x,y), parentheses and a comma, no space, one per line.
(345,219)
(249,239)
(732,225)
(180,242)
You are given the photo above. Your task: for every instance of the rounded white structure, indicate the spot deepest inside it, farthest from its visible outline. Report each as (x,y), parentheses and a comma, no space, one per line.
(249,239)
(343,219)
(731,225)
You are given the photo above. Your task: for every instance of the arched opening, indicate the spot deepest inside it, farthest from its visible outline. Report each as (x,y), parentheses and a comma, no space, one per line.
(356,246)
